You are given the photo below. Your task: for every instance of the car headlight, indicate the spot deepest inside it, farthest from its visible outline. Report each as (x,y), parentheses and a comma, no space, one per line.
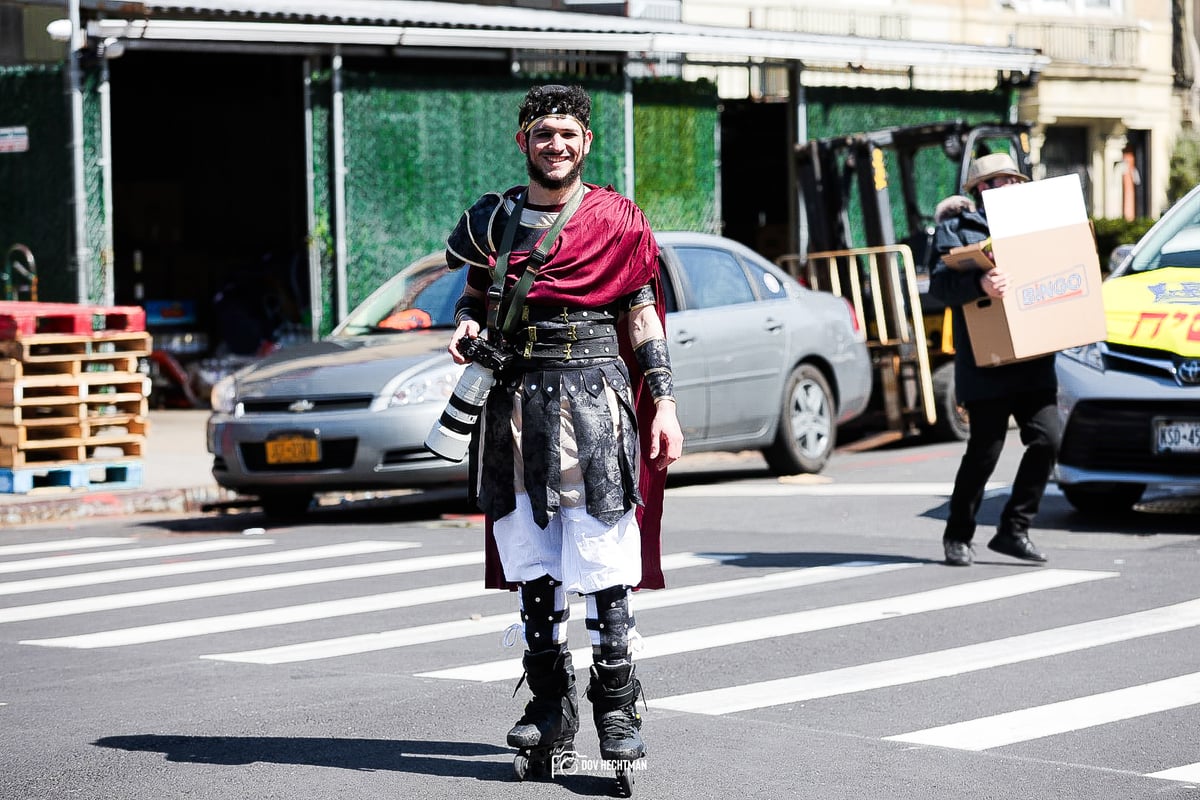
(223,396)
(428,387)
(1090,355)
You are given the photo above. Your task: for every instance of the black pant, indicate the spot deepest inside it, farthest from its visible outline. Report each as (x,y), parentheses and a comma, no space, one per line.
(1037,418)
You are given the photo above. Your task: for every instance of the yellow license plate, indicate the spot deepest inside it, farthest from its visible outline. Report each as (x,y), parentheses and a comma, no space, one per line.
(293,450)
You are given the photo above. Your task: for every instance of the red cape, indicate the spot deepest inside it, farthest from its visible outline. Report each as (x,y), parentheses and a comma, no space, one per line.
(606,251)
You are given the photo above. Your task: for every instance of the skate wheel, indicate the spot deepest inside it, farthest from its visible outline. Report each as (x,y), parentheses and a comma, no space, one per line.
(625,782)
(520,767)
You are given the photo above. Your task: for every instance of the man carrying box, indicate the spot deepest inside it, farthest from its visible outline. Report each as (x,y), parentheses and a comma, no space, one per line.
(1024,390)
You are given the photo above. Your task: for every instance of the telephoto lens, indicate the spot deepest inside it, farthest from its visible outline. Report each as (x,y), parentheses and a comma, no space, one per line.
(450,437)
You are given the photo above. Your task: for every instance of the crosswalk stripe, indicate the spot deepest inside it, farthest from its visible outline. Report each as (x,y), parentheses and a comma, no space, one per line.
(937,664)
(257,583)
(1062,717)
(208,565)
(457,629)
(823,490)
(283,580)
(751,630)
(61,544)
(1188,774)
(306,612)
(140,554)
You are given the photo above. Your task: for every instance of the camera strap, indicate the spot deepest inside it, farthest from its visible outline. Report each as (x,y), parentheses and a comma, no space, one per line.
(509,309)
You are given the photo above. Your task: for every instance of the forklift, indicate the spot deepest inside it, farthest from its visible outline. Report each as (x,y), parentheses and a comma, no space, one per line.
(866,233)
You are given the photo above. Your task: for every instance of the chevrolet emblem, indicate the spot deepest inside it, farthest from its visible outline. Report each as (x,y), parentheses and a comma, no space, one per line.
(300,406)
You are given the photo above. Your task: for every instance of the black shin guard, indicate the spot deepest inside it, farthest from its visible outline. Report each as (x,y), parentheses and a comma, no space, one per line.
(609,624)
(544,612)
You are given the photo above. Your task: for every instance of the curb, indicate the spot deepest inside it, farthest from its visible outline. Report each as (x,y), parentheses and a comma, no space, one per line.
(111,504)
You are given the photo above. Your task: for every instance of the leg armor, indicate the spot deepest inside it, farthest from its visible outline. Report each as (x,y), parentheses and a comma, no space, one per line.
(551,717)
(613,688)
(610,624)
(544,613)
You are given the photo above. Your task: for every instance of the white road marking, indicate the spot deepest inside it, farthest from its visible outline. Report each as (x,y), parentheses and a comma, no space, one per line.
(256,583)
(283,580)
(1069,715)
(751,630)
(937,664)
(1187,774)
(444,631)
(823,490)
(309,611)
(208,565)
(61,544)
(140,554)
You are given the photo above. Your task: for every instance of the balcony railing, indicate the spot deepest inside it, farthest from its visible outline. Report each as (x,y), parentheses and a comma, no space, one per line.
(1092,45)
(823,20)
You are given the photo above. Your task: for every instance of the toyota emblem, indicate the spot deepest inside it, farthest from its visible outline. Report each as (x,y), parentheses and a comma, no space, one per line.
(1189,371)
(300,406)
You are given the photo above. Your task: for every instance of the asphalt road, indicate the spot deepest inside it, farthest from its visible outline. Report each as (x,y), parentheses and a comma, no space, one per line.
(810,645)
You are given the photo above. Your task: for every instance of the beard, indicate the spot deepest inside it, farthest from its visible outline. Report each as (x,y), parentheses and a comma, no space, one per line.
(539,176)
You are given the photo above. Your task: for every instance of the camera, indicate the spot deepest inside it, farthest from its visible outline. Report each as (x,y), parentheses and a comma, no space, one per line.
(450,436)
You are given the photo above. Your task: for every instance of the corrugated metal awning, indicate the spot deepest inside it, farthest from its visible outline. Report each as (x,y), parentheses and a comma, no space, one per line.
(417,23)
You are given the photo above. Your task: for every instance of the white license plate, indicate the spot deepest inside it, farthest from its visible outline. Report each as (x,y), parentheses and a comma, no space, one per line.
(1177,436)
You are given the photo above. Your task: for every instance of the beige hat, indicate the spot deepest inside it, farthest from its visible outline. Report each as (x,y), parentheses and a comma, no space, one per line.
(988,167)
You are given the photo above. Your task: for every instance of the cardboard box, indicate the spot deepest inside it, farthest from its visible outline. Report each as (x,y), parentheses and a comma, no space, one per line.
(970,256)
(1042,238)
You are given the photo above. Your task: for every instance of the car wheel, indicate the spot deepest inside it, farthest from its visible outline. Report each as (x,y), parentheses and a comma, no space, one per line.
(285,504)
(1097,499)
(806,434)
(952,423)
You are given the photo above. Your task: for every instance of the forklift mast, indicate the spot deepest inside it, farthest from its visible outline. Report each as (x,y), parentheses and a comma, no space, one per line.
(849,244)
(828,168)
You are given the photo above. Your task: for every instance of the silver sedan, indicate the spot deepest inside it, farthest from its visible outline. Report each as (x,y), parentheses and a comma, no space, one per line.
(761,363)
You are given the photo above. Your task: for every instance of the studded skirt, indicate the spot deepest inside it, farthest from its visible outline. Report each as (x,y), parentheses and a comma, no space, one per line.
(546,405)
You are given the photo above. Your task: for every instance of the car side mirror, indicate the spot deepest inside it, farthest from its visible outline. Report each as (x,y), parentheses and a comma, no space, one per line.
(1118,256)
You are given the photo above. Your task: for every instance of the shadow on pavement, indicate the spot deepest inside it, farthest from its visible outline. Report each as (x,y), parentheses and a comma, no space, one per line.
(445,759)
(1161,514)
(798,559)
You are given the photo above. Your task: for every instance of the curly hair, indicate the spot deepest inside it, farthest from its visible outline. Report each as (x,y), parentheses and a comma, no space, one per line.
(541,101)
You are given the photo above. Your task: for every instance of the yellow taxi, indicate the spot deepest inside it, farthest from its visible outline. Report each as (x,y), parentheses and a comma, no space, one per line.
(1130,405)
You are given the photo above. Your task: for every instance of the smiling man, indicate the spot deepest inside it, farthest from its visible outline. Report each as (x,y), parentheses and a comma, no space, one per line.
(570,457)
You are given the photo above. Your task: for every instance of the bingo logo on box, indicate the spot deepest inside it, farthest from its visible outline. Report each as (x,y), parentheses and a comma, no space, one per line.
(1053,289)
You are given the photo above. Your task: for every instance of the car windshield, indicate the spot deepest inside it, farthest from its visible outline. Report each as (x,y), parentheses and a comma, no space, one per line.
(1174,242)
(420,296)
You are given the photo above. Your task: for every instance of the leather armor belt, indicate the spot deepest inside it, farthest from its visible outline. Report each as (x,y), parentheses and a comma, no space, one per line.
(565,344)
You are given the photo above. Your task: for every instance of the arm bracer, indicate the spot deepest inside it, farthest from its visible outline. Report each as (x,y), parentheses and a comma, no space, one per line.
(642,297)
(655,362)
(469,307)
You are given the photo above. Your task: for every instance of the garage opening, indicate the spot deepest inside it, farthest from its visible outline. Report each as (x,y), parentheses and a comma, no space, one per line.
(209,197)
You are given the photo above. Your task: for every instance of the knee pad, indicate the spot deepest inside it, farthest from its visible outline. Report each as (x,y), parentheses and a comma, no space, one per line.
(610,624)
(544,613)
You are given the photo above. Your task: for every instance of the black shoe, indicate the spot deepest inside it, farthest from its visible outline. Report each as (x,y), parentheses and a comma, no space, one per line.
(1016,545)
(958,554)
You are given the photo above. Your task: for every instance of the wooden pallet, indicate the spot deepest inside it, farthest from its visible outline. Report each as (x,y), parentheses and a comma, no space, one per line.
(51,347)
(12,370)
(105,384)
(114,427)
(42,434)
(16,457)
(71,395)
(97,408)
(50,414)
(115,448)
(42,390)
